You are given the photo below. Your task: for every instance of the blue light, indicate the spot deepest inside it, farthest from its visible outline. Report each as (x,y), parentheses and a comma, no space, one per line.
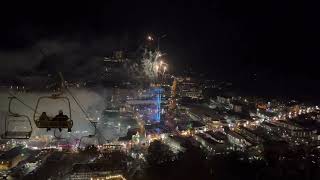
(158,107)
(158,92)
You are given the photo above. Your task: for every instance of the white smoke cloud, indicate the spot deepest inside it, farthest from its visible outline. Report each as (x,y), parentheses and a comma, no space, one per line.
(59,53)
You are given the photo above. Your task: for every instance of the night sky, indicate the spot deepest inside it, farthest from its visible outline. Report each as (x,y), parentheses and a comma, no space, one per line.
(267,46)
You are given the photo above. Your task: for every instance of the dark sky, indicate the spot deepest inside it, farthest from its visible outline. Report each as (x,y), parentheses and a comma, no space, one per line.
(274,42)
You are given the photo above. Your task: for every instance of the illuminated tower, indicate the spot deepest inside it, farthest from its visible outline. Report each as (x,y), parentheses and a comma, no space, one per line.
(158,94)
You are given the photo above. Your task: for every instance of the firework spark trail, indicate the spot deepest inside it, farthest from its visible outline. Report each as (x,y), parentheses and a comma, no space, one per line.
(150,63)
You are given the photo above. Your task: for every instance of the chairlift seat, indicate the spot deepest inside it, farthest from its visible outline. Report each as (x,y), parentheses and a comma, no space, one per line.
(16,135)
(54,124)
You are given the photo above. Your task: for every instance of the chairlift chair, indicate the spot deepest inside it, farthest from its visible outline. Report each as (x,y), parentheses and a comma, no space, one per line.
(15,117)
(53,122)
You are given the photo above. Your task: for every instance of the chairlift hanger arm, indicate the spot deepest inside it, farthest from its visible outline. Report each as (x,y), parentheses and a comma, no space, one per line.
(65,88)
(18,99)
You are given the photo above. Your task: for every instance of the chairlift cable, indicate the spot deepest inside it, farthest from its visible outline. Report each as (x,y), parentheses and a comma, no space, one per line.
(25,104)
(85,113)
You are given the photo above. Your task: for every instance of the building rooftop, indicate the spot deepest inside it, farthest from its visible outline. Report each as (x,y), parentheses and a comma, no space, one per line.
(204,112)
(234,134)
(268,124)
(217,135)
(207,139)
